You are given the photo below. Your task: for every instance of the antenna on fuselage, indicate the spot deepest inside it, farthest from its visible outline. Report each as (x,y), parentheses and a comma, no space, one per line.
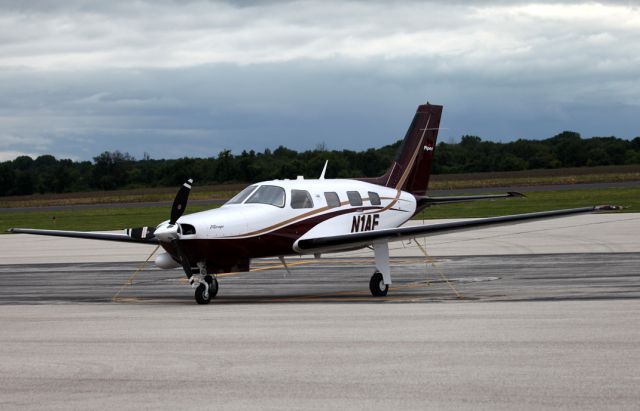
(324,170)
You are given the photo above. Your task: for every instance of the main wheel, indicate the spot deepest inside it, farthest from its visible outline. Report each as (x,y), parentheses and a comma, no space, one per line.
(202,297)
(213,285)
(377,286)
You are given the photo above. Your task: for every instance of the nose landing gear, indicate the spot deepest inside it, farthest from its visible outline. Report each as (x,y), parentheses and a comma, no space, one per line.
(206,288)
(202,294)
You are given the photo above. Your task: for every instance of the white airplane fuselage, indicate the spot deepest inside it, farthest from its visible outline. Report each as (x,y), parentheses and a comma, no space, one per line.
(270,225)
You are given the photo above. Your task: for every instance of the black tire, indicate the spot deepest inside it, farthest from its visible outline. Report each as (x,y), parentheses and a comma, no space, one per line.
(377,286)
(200,295)
(213,285)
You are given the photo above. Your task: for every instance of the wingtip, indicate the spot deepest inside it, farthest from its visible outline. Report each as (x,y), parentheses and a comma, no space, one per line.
(608,207)
(515,194)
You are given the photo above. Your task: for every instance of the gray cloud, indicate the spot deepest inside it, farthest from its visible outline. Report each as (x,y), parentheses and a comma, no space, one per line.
(192,78)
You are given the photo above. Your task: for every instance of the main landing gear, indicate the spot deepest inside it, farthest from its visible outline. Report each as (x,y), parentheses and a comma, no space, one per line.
(377,286)
(381,278)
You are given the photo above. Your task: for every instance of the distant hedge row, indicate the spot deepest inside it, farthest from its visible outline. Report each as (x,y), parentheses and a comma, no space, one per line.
(116,170)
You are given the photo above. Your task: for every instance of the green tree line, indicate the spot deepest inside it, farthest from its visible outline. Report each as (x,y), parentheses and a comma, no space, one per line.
(116,170)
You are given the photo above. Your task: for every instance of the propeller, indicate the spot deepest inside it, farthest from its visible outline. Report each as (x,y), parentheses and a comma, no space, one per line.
(180,202)
(169,233)
(179,205)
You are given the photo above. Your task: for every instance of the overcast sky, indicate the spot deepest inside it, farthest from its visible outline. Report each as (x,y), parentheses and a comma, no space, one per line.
(190,78)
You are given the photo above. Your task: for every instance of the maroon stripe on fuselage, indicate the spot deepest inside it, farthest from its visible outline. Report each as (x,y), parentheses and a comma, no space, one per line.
(221,254)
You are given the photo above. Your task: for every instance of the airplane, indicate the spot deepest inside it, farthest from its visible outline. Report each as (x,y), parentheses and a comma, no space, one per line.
(282,218)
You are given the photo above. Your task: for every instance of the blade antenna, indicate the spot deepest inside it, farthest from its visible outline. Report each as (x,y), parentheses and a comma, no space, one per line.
(324,170)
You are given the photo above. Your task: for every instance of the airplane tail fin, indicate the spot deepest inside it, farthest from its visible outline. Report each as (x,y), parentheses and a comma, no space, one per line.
(412,168)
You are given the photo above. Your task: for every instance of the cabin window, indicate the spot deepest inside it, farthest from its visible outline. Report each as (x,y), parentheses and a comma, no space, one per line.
(374,198)
(242,195)
(301,199)
(354,198)
(332,199)
(272,195)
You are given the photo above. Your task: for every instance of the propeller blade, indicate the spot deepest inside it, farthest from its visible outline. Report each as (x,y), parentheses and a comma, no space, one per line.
(186,266)
(180,202)
(141,233)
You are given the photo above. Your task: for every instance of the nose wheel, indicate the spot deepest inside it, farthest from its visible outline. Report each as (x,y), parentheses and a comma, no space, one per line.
(213,285)
(377,286)
(206,290)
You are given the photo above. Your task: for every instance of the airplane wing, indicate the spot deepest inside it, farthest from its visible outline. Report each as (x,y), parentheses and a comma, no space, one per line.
(363,239)
(128,238)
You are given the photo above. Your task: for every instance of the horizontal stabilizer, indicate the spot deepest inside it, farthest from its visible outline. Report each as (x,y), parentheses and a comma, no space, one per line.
(427,201)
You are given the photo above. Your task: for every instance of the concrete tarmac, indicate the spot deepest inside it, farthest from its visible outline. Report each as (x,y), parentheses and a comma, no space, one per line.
(337,280)
(529,332)
(580,355)
(526,329)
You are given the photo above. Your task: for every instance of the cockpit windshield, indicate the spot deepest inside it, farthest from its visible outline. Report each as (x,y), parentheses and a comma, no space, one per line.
(266,194)
(242,195)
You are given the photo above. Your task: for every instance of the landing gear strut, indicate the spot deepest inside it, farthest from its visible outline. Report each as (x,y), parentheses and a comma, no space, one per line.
(377,286)
(381,278)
